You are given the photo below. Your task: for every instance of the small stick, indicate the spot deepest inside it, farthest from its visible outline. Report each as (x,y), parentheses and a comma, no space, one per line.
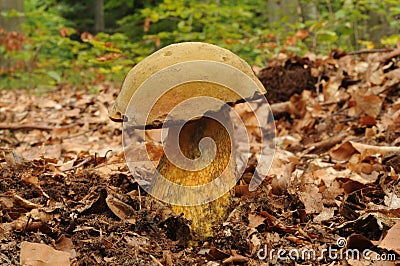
(156,260)
(389,56)
(327,143)
(79,164)
(282,107)
(31,127)
(370,51)
(140,198)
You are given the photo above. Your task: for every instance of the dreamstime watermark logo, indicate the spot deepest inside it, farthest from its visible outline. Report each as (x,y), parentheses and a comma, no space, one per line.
(331,253)
(184,92)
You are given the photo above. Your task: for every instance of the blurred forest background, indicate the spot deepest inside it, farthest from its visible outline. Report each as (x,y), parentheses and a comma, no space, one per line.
(45,44)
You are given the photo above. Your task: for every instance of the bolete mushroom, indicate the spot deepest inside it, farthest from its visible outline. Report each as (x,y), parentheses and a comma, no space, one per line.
(198,176)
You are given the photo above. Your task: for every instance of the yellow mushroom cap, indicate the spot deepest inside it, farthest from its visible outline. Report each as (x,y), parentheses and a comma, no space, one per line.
(178,72)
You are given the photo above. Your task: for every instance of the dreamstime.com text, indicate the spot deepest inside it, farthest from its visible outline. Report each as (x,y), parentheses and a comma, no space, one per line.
(329,252)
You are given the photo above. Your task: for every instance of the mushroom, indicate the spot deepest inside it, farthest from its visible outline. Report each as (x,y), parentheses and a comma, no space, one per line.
(196,173)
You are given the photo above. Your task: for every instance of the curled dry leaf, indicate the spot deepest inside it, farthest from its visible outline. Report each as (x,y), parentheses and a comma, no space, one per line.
(120,209)
(35,254)
(255,220)
(215,254)
(369,104)
(235,259)
(392,240)
(347,149)
(311,199)
(325,215)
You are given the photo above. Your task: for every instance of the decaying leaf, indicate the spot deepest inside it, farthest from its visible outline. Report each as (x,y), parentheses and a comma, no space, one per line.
(35,254)
(392,240)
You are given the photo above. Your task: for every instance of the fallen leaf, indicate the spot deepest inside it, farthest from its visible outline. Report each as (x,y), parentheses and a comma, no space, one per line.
(120,209)
(311,199)
(255,220)
(369,104)
(215,254)
(347,149)
(392,241)
(35,254)
(325,215)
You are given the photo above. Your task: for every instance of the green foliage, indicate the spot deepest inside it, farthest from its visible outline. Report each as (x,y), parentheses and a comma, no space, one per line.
(229,24)
(56,48)
(51,55)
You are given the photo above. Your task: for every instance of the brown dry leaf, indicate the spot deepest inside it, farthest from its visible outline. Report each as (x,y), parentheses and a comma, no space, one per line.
(369,104)
(65,244)
(35,254)
(319,186)
(6,201)
(109,169)
(254,244)
(25,203)
(367,121)
(331,88)
(10,200)
(296,240)
(347,149)
(30,179)
(357,241)
(255,220)
(369,150)
(377,76)
(274,224)
(343,152)
(241,190)
(392,201)
(392,240)
(144,152)
(265,161)
(137,241)
(235,259)
(280,160)
(215,254)
(325,215)
(311,199)
(12,157)
(52,151)
(120,209)
(281,182)
(167,258)
(102,112)
(66,165)
(360,178)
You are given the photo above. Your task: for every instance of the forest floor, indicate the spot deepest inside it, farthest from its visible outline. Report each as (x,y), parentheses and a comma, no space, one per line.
(67,196)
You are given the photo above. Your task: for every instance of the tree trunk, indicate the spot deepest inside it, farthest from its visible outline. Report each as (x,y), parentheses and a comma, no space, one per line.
(283,11)
(98,16)
(309,11)
(11,23)
(377,27)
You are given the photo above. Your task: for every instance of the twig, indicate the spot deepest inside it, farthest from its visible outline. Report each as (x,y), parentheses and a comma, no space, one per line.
(79,164)
(32,60)
(282,107)
(31,127)
(140,197)
(370,51)
(156,260)
(83,133)
(327,143)
(389,56)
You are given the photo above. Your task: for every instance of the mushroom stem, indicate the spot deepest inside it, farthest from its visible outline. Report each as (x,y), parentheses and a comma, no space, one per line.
(222,165)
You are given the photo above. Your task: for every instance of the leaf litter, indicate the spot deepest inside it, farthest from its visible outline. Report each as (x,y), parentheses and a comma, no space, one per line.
(65,189)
